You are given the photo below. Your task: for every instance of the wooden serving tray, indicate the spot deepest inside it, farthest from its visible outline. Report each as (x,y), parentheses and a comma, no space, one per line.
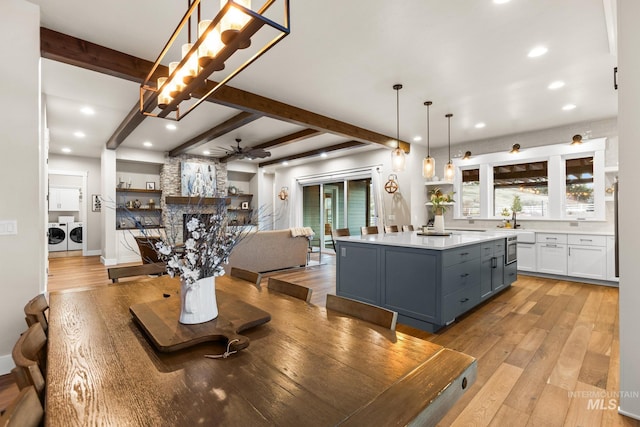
(160,321)
(434,233)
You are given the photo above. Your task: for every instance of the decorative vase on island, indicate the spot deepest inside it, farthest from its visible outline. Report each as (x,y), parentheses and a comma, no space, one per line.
(198,301)
(438,221)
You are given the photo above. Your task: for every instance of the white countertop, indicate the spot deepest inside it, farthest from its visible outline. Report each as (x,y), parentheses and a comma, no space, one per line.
(534,230)
(410,239)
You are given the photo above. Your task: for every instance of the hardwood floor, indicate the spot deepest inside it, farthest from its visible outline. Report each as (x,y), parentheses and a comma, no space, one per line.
(547,349)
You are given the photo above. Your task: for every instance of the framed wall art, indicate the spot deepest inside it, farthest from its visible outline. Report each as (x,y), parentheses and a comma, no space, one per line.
(96,203)
(198,179)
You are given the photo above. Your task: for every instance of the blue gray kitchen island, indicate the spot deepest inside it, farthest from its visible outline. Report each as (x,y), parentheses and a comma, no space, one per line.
(428,280)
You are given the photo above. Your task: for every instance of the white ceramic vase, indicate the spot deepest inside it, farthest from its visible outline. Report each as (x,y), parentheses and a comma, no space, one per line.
(438,224)
(198,301)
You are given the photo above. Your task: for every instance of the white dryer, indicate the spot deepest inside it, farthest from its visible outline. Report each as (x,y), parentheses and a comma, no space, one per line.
(57,237)
(74,241)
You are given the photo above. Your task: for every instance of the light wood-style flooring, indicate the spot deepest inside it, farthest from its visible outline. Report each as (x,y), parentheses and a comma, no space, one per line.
(547,349)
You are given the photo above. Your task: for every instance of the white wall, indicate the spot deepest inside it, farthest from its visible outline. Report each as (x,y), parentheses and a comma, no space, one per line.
(21,174)
(92,228)
(629,126)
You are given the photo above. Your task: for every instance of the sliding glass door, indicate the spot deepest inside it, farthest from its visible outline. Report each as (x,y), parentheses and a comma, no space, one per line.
(337,204)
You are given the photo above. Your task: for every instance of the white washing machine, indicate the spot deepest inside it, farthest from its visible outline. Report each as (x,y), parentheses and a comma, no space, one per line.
(57,237)
(74,241)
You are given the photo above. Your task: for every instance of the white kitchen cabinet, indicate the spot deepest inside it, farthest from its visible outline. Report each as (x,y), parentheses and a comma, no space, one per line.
(526,257)
(611,259)
(64,199)
(587,261)
(551,253)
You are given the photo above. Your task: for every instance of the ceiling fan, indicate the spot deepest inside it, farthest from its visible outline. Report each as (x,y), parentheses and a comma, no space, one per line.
(238,152)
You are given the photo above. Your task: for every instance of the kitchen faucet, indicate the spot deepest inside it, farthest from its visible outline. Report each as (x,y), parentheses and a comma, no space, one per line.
(513,218)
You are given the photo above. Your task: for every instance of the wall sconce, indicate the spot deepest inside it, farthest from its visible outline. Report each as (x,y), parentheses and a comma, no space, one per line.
(515,149)
(467,155)
(577,140)
(284,193)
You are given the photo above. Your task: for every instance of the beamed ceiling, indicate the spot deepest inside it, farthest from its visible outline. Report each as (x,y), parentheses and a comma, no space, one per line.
(81,53)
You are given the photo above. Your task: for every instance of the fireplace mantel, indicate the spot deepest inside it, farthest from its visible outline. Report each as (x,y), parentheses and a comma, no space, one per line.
(195,201)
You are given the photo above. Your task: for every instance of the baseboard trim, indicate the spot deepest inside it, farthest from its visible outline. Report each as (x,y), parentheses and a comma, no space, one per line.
(6,364)
(94,252)
(628,414)
(108,261)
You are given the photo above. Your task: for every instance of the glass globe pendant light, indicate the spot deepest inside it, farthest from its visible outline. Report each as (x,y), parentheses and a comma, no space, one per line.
(397,155)
(428,163)
(449,171)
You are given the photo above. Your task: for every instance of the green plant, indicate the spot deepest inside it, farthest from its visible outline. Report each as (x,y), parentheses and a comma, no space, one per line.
(505,212)
(439,199)
(516,206)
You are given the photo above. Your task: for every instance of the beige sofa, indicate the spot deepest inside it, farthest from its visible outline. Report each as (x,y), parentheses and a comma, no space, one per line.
(263,251)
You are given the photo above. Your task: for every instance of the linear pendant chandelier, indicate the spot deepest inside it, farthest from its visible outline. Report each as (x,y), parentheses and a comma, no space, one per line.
(222,42)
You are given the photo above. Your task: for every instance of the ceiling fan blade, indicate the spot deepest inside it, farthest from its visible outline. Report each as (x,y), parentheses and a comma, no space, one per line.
(258,153)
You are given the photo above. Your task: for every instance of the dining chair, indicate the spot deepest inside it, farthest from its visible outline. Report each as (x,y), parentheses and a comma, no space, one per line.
(249,276)
(34,312)
(369,230)
(147,247)
(407,227)
(24,411)
(292,289)
(341,232)
(390,228)
(361,310)
(328,233)
(29,356)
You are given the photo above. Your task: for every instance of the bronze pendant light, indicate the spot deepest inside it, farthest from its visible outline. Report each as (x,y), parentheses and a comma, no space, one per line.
(449,170)
(428,163)
(397,155)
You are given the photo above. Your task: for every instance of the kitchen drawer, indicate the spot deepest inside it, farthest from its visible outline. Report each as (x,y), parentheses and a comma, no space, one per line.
(458,302)
(587,240)
(510,273)
(498,247)
(486,250)
(459,276)
(551,238)
(456,256)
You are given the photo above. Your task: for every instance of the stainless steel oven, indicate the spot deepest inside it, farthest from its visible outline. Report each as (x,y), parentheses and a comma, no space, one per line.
(511,251)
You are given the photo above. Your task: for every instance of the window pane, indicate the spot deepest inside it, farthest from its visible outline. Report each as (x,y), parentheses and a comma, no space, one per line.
(579,189)
(528,181)
(470,196)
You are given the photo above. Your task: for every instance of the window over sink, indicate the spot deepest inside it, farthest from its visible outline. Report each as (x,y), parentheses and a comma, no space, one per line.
(555,182)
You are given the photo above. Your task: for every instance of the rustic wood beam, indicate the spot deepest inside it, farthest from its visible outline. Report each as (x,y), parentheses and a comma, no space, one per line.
(223,128)
(81,53)
(316,152)
(283,140)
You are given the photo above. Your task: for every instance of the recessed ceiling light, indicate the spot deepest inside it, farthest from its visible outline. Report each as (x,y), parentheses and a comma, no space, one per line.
(537,51)
(147,144)
(556,85)
(323,154)
(88,111)
(171,126)
(480,125)
(66,150)
(206,152)
(568,107)
(501,1)
(79,134)
(417,138)
(285,163)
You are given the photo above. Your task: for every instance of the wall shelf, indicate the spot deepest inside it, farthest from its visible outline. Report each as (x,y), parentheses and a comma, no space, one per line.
(432,183)
(195,201)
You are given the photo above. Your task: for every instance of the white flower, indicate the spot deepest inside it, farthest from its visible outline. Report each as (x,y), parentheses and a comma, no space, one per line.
(193,224)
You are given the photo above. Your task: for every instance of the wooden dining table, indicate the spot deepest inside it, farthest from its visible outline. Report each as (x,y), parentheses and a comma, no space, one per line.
(305,366)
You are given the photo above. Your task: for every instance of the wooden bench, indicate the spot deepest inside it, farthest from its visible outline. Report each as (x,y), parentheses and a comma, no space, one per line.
(116,273)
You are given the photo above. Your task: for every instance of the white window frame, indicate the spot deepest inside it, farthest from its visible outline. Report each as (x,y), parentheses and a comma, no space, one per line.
(555,156)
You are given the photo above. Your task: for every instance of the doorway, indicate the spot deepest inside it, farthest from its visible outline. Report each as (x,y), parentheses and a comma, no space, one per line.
(348,203)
